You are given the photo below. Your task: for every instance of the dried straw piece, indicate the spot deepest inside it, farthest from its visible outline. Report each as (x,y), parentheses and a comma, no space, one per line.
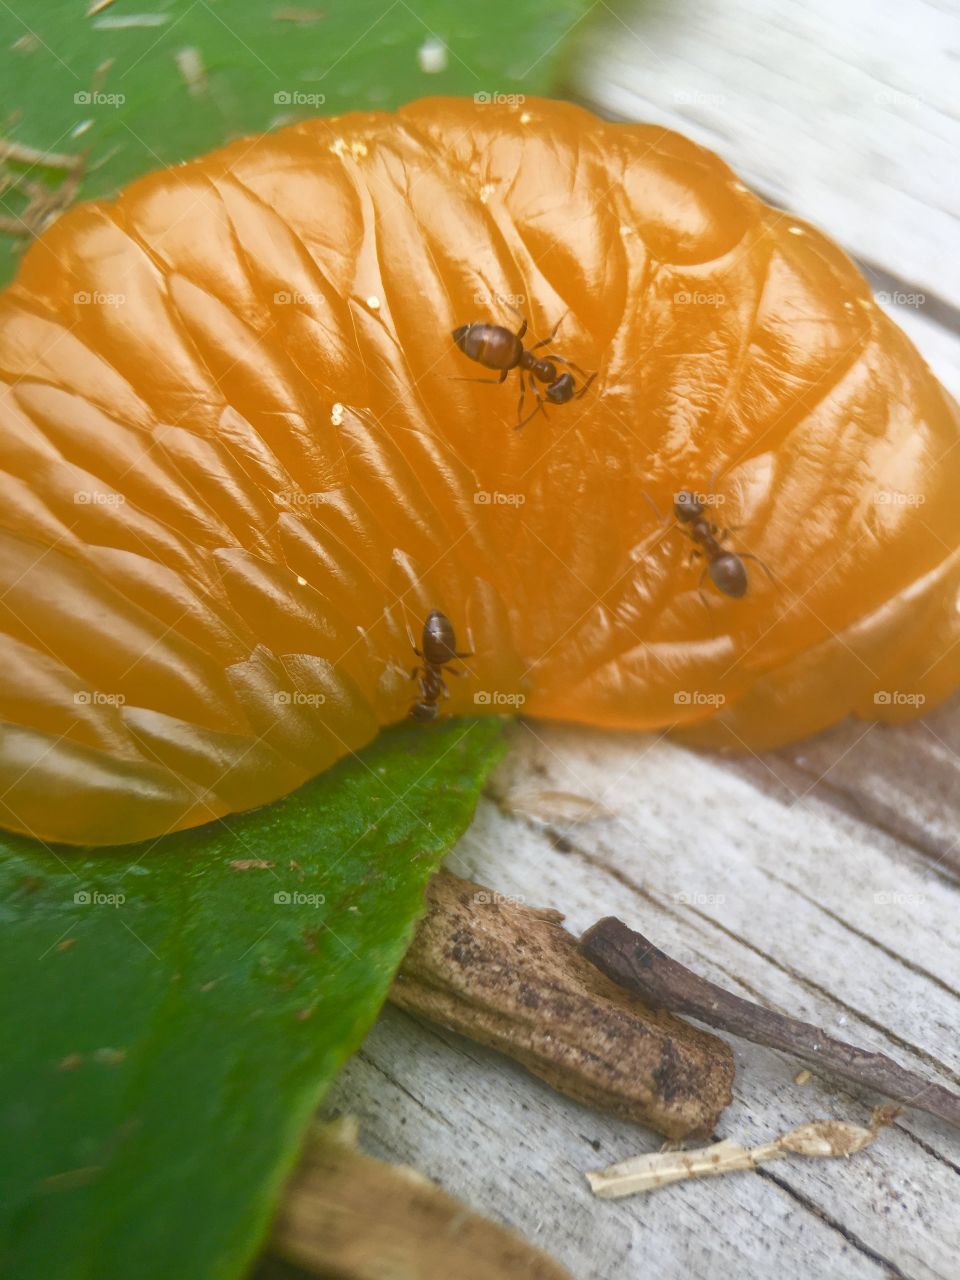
(830,1138)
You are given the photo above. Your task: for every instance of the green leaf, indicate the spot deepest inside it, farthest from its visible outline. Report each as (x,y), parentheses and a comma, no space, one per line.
(137,97)
(172,1014)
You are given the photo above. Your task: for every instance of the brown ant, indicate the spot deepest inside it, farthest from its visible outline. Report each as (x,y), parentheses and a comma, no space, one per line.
(727,571)
(439,650)
(725,568)
(495,347)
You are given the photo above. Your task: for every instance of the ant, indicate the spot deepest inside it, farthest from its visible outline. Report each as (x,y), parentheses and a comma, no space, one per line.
(439,650)
(495,347)
(726,569)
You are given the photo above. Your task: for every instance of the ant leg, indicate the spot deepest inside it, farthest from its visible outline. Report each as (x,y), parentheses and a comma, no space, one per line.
(520,316)
(489,381)
(523,396)
(659,514)
(702,594)
(464,655)
(550,336)
(748,555)
(538,409)
(586,386)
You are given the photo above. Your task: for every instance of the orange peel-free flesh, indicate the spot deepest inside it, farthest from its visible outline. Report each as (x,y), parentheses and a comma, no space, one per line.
(238,469)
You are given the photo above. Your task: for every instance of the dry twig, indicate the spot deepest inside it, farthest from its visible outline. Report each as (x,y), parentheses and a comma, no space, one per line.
(636,964)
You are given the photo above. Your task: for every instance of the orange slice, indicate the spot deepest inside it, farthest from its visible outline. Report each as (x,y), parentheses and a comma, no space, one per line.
(238,469)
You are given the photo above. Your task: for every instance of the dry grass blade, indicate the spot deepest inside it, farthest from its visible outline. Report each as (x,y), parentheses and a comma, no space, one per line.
(829,1138)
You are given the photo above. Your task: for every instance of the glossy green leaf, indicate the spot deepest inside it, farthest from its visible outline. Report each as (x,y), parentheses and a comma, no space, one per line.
(172,1012)
(138,86)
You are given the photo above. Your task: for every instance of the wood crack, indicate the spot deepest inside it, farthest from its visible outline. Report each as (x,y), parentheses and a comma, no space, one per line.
(865,937)
(855,1242)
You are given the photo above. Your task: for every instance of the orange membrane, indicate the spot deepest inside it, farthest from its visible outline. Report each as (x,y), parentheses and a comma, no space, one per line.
(238,470)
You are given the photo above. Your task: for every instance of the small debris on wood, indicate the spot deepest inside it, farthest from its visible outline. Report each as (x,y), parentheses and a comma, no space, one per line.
(629,959)
(648,1172)
(249,864)
(510,976)
(565,808)
(802,1077)
(347,1215)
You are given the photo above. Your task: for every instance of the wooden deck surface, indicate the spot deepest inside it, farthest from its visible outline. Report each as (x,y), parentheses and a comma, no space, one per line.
(821,880)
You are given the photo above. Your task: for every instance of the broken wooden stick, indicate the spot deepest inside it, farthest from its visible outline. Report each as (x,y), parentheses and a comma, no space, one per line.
(636,964)
(348,1215)
(511,977)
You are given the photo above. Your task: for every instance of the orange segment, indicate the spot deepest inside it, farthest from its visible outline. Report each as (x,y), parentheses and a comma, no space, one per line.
(238,469)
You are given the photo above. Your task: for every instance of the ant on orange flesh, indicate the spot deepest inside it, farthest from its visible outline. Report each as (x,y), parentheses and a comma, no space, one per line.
(439,650)
(224,497)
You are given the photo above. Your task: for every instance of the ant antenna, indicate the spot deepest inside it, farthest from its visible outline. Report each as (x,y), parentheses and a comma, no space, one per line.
(656,510)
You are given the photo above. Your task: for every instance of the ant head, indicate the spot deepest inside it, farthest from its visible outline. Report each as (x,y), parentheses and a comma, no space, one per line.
(687,507)
(562,390)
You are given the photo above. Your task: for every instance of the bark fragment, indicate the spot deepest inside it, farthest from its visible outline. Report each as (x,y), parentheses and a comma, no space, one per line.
(510,976)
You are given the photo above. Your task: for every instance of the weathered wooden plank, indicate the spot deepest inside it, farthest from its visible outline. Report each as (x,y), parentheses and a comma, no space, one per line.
(716,845)
(843,113)
(476,1125)
(696,857)
(903,779)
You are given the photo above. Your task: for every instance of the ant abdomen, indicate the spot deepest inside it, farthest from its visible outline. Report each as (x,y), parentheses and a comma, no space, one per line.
(490,345)
(438,649)
(728,574)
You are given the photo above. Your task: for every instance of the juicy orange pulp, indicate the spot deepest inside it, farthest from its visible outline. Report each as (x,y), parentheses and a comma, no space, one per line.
(239,469)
